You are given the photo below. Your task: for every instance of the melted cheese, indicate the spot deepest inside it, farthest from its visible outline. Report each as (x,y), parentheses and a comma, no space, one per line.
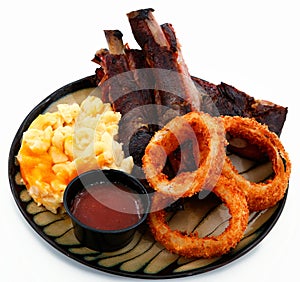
(59,145)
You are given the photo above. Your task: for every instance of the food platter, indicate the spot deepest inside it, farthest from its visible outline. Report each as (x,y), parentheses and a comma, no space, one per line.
(143,257)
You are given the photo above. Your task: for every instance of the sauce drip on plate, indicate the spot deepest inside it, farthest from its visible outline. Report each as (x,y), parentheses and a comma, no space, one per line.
(107,206)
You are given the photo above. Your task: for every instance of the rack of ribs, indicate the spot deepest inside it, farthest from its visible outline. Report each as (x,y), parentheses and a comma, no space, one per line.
(170,88)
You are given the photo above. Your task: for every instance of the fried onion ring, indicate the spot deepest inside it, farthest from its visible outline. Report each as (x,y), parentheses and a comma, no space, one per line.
(191,245)
(208,136)
(266,194)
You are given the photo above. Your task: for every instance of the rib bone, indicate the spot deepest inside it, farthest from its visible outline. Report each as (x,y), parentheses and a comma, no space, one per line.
(162,51)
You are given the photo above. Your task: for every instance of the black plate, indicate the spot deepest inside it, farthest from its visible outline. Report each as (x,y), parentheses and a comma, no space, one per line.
(143,257)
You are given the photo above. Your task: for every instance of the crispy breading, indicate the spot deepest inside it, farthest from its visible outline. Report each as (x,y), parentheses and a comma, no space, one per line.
(207,134)
(265,194)
(190,245)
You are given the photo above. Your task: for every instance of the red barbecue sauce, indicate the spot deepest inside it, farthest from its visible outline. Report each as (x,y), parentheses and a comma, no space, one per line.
(107,206)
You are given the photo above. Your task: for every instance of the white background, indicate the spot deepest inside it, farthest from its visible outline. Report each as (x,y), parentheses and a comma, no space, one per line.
(253,45)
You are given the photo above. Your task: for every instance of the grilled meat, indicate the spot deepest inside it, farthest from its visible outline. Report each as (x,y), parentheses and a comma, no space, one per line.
(175,90)
(233,102)
(123,86)
(155,85)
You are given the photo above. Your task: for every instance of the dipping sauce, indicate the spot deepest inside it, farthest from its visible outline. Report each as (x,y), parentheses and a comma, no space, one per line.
(107,206)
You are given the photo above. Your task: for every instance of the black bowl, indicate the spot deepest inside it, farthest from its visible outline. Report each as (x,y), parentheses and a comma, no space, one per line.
(100,239)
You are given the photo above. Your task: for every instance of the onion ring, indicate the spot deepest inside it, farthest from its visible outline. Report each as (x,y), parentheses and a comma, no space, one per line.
(261,195)
(208,135)
(191,245)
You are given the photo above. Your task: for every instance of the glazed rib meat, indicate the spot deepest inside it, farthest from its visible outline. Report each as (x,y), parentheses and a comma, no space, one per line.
(233,102)
(122,86)
(175,89)
(118,82)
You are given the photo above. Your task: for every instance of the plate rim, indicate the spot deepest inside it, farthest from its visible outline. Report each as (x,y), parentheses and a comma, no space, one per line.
(90,81)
